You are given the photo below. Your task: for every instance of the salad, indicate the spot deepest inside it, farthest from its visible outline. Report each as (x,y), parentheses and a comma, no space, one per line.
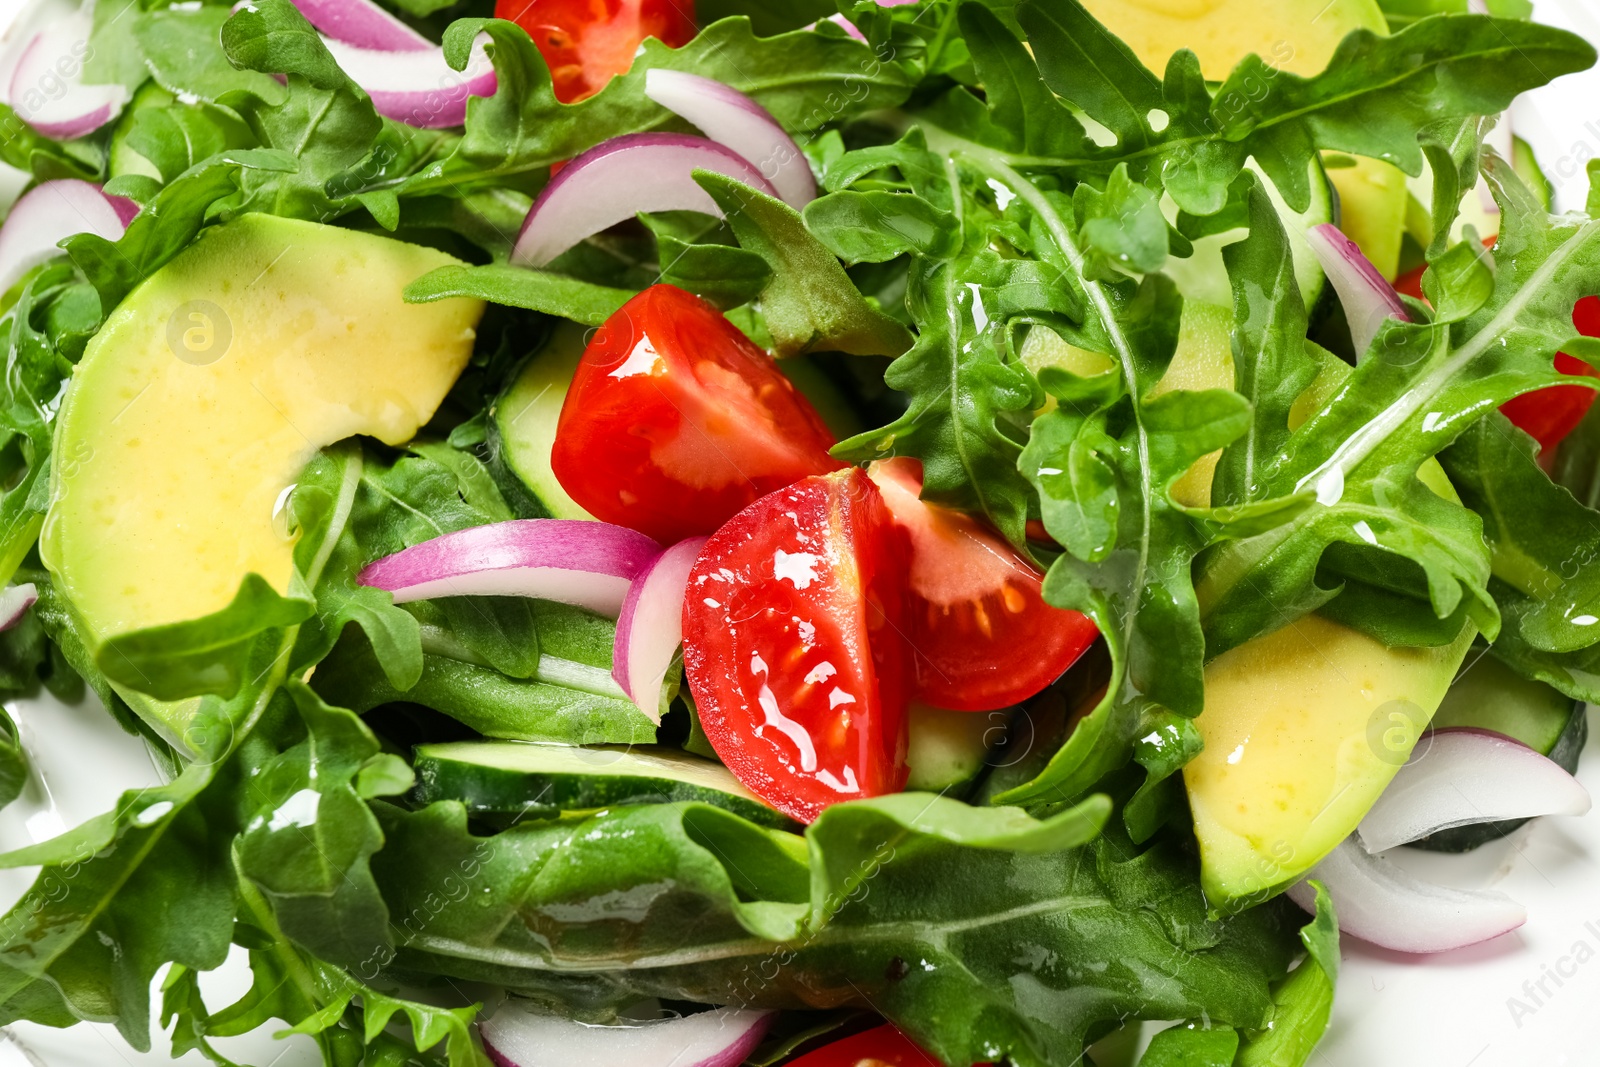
(946,532)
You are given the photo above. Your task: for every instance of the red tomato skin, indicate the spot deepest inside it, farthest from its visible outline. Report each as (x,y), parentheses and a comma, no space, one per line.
(1549,414)
(676,421)
(586,42)
(792,647)
(884,1045)
(981,635)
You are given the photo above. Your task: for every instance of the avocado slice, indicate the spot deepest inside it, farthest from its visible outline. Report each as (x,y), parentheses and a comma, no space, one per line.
(1304,727)
(208,390)
(1293,35)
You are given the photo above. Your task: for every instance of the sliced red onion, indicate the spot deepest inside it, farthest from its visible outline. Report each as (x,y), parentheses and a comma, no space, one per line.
(651,626)
(735,121)
(1467,776)
(573,561)
(46,89)
(619,178)
(416,86)
(51,212)
(1379,903)
(1367,297)
(846,25)
(15,600)
(519,1035)
(363,24)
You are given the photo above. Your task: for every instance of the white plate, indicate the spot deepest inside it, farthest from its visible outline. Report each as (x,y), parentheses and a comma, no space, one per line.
(1527,999)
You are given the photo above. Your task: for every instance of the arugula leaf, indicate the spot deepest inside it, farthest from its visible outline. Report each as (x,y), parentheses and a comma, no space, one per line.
(347,1018)
(723,274)
(327,494)
(766,19)
(1303,1002)
(520,287)
(1420,387)
(1192,1046)
(182,49)
(147,884)
(1541,540)
(35,368)
(168,223)
(46,159)
(965,397)
(209,655)
(309,846)
(951,921)
(809,302)
(1373,98)
(1271,366)
(324,122)
(1102,461)
(567,701)
(805,79)
(176,138)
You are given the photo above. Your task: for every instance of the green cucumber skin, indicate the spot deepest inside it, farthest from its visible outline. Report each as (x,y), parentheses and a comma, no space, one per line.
(1565,752)
(504,795)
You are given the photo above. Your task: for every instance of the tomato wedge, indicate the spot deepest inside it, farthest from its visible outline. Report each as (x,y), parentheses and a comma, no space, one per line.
(586,42)
(982,636)
(1547,415)
(882,1045)
(792,648)
(676,421)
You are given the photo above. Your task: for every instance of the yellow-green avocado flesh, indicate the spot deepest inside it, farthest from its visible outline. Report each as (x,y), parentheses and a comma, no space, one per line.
(206,392)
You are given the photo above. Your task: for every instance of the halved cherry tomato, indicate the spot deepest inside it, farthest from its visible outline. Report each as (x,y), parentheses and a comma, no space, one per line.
(792,646)
(883,1045)
(585,42)
(676,421)
(982,637)
(1549,414)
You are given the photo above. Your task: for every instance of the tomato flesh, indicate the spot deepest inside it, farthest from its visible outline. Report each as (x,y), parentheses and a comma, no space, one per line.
(1549,414)
(982,636)
(882,1045)
(586,42)
(676,421)
(792,649)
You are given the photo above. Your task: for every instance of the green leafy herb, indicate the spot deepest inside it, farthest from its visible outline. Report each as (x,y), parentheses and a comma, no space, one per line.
(1302,1002)
(982,933)
(805,79)
(534,290)
(1375,96)
(809,302)
(1421,386)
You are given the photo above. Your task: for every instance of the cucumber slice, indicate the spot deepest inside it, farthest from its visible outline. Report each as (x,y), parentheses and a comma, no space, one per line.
(1203,277)
(523,420)
(509,780)
(1490,696)
(946,750)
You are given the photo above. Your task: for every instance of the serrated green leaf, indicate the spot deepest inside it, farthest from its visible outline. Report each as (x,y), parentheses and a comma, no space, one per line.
(809,303)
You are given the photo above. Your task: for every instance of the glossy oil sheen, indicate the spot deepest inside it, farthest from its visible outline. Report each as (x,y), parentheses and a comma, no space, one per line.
(793,648)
